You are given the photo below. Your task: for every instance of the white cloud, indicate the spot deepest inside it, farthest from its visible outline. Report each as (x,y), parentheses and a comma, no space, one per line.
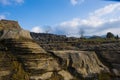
(98,22)
(9,2)
(2,17)
(37,29)
(75,2)
(106,10)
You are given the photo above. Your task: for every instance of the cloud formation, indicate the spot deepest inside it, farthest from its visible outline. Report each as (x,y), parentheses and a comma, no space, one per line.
(99,22)
(2,17)
(10,2)
(75,2)
(37,29)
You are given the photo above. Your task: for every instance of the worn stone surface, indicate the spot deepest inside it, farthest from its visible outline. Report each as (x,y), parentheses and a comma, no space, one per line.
(66,75)
(53,57)
(38,62)
(42,77)
(109,54)
(15,34)
(9,24)
(84,62)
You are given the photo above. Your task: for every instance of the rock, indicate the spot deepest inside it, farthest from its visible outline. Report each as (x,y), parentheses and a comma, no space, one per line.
(116,72)
(35,60)
(84,62)
(109,54)
(66,75)
(52,57)
(9,24)
(10,68)
(42,77)
(15,34)
(11,29)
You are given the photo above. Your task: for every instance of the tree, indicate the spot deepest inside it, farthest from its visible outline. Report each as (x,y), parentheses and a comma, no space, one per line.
(81,32)
(48,29)
(110,35)
(117,37)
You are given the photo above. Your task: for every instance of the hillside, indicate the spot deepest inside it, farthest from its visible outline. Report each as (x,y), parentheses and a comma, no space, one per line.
(33,56)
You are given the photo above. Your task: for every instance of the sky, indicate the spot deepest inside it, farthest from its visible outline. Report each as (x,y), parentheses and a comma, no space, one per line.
(66,17)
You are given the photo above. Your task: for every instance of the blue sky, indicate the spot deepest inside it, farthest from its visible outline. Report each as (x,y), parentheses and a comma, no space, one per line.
(69,17)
